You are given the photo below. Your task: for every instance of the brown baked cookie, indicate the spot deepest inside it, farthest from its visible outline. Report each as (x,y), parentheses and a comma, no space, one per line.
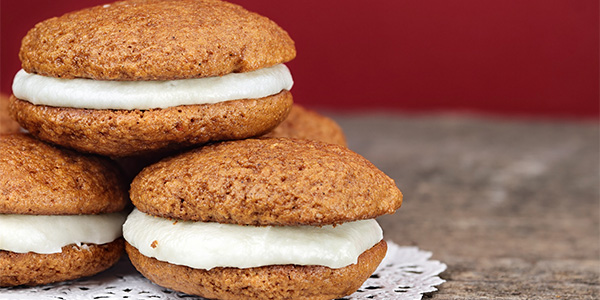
(133,132)
(303,123)
(150,40)
(155,40)
(7,124)
(73,262)
(278,282)
(266,182)
(38,178)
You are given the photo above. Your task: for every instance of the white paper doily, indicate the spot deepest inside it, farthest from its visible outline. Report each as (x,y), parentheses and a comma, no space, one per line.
(405,273)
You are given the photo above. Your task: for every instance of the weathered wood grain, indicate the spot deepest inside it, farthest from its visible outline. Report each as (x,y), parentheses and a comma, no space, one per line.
(511,206)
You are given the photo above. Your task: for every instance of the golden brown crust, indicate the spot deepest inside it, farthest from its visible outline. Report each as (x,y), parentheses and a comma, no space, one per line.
(124,132)
(73,262)
(155,40)
(7,124)
(38,178)
(303,123)
(266,182)
(272,282)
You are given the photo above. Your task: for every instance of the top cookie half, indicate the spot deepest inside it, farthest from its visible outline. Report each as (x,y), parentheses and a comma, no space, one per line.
(41,179)
(155,40)
(271,181)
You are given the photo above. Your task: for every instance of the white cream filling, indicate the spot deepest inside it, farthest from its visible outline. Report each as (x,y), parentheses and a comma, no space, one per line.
(202,245)
(129,95)
(48,234)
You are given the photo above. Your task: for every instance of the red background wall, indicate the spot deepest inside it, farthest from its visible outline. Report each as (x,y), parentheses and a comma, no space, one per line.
(507,57)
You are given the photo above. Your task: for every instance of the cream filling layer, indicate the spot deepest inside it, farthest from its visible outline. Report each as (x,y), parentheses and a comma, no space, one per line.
(202,245)
(48,234)
(129,95)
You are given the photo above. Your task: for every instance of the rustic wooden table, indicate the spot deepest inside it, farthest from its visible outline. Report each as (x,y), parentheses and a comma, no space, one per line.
(511,206)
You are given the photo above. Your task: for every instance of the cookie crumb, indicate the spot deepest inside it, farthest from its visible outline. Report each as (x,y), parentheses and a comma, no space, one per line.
(154,244)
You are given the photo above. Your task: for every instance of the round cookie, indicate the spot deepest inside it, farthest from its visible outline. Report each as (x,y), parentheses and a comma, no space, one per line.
(279,282)
(155,40)
(303,123)
(73,262)
(280,180)
(51,200)
(283,209)
(41,179)
(152,41)
(121,133)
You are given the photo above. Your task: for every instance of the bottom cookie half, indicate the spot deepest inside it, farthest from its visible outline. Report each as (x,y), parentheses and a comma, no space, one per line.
(269,282)
(73,262)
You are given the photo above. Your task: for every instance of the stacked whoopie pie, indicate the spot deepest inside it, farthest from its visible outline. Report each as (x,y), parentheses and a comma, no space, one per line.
(138,76)
(274,218)
(60,212)
(271,217)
